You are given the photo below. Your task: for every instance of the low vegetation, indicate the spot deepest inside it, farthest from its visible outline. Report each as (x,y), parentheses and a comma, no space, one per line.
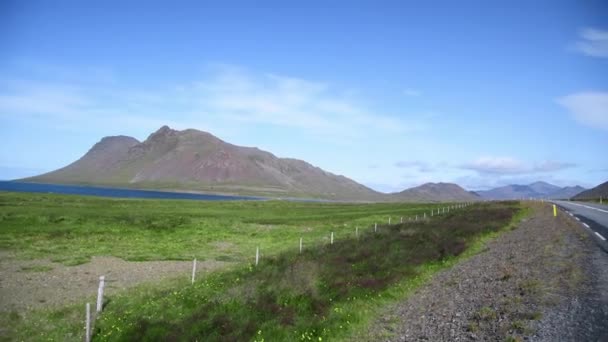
(70,229)
(328,291)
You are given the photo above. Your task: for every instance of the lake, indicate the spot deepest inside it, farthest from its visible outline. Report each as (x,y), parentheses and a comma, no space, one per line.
(114,192)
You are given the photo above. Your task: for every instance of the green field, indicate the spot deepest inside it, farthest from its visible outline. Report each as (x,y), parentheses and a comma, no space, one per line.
(330,291)
(71,229)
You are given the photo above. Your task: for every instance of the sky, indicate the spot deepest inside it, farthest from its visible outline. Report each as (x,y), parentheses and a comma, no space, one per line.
(392,94)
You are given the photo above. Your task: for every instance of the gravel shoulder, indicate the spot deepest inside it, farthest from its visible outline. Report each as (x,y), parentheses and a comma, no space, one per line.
(35,284)
(546,280)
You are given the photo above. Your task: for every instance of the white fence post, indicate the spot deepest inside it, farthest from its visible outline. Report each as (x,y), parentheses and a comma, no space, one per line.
(102,284)
(257,255)
(300,245)
(193,270)
(375,227)
(331,239)
(389,220)
(357,232)
(87,327)
(401,219)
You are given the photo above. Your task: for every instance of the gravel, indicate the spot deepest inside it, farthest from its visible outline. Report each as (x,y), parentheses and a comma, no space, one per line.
(546,280)
(35,284)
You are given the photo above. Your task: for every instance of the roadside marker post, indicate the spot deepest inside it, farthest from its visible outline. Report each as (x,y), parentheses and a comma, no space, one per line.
(375,227)
(257,255)
(357,232)
(331,239)
(389,220)
(401,219)
(554,210)
(300,245)
(102,284)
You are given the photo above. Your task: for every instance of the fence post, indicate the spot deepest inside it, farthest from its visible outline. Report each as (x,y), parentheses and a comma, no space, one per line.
(331,239)
(257,255)
(102,284)
(357,232)
(375,227)
(87,328)
(300,245)
(193,270)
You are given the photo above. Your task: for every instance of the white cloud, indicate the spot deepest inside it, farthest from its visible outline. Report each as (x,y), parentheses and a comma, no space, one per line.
(594,42)
(226,97)
(552,165)
(412,92)
(512,166)
(588,108)
(498,165)
(420,166)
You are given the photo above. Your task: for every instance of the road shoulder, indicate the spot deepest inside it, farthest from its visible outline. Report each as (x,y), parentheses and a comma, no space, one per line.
(546,280)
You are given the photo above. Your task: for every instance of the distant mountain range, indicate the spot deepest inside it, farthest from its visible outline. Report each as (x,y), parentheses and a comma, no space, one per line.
(594,193)
(192,160)
(196,161)
(534,190)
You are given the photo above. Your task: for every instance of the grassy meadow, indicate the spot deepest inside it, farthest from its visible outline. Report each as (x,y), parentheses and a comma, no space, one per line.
(70,229)
(328,292)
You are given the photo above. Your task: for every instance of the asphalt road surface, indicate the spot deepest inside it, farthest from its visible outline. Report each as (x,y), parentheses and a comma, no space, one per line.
(592,216)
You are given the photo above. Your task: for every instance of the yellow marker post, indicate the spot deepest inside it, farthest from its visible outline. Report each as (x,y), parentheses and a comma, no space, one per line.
(554,210)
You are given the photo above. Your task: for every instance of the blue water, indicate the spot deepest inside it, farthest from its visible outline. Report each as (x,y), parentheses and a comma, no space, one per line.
(113,192)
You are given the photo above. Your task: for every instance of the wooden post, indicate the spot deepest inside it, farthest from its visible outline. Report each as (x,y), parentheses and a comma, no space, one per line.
(257,255)
(102,284)
(300,245)
(193,270)
(87,327)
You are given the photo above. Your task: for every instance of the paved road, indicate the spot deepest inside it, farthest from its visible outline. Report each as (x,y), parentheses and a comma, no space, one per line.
(592,216)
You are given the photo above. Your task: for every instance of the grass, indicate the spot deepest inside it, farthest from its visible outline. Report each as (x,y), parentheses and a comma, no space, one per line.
(327,292)
(312,296)
(70,229)
(36,268)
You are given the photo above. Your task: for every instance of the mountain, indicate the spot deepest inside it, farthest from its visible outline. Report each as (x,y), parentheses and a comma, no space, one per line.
(543,188)
(534,190)
(436,192)
(594,193)
(193,160)
(567,192)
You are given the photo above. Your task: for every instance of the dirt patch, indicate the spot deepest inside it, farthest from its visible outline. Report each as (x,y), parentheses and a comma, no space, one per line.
(222,246)
(539,281)
(26,285)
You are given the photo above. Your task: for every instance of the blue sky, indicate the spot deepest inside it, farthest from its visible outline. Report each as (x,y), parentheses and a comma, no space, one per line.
(391,94)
